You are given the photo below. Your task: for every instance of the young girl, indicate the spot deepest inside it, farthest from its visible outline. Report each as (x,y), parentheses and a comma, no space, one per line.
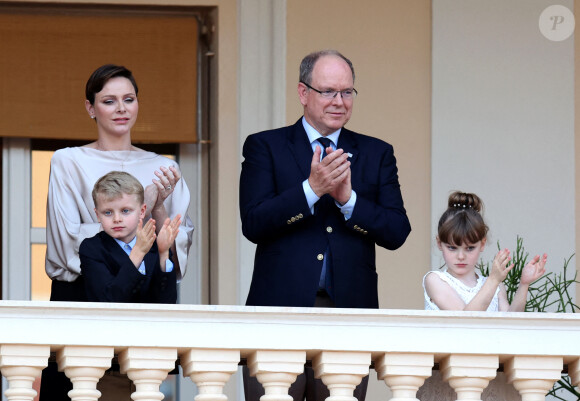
(461,237)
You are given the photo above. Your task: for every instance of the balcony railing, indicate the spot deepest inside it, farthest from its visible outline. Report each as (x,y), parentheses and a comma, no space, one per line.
(210,341)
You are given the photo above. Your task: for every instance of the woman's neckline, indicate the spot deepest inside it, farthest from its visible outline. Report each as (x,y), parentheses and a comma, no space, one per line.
(95,146)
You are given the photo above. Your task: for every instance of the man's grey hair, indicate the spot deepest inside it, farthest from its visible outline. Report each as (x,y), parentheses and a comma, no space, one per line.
(307,64)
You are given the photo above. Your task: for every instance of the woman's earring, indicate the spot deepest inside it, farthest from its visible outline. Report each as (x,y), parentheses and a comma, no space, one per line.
(92,116)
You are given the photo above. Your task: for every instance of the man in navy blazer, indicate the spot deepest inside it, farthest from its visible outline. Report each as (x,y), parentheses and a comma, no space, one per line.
(314,208)
(294,236)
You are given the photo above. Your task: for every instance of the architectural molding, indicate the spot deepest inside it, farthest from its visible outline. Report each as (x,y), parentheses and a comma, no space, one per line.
(16,218)
(262,92)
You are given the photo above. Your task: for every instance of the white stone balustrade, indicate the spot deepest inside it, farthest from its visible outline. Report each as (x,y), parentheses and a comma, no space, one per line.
(468,375)
(20,364)
(402,345)
(210,369)
(341,371)
(147,367)
(404,373)
(276,370)
(533,376)
(84,366)
(574,371)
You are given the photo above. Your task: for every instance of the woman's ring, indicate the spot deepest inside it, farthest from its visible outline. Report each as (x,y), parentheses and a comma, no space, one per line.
(168,187)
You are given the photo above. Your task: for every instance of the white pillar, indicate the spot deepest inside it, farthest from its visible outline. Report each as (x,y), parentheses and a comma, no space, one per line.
(147,368)
(404,373)
(533,376)
(84,366)
(341,372)
(210,369)
(20,365)
(468,375)
(276,370)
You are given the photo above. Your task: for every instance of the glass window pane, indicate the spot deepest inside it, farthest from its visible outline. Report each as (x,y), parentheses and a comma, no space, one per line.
(40,160)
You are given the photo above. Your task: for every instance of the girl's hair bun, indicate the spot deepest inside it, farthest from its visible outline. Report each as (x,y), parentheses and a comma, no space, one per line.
(462,200)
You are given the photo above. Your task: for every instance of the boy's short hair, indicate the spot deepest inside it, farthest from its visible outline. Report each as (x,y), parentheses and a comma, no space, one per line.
(116,184)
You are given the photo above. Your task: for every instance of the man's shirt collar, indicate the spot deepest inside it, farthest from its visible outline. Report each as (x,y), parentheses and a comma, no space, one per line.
(314,135)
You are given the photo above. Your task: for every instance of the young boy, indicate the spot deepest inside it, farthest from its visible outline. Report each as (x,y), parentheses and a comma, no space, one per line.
(127,262)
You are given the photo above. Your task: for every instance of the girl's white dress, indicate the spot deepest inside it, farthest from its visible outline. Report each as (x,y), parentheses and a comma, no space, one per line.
(466,293)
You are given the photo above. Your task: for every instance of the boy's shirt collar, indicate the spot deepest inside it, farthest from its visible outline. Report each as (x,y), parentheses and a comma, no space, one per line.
(127,247)
(168,263)
(131,243)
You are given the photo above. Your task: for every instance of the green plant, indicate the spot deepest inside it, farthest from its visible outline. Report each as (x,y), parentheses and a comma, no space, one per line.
(562,386)
(549,293)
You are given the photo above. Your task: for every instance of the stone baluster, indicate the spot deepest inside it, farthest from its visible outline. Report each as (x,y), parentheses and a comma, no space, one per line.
(533,376)
(21,365)
(210,369)
(574,372)
(276,370)
(84,366)
(341,372)
(404,373)
(468,375)
(147,368)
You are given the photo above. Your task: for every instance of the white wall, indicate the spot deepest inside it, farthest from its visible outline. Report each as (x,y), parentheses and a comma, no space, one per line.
(389,43)
(503,123)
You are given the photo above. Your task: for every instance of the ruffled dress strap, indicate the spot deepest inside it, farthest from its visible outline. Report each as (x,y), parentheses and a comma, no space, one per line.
(465,292)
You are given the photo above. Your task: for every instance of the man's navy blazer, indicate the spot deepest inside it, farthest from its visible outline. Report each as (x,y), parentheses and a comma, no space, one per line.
(291,240)
(110,276)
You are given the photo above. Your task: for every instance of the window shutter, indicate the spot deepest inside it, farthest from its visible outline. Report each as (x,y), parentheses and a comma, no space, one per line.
(47,57)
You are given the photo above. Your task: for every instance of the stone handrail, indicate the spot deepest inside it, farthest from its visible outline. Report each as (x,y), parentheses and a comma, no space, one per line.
(210,341)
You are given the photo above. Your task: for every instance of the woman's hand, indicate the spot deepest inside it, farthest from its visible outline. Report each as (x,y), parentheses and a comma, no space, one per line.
(150,198)
(534,269)
(165,184)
